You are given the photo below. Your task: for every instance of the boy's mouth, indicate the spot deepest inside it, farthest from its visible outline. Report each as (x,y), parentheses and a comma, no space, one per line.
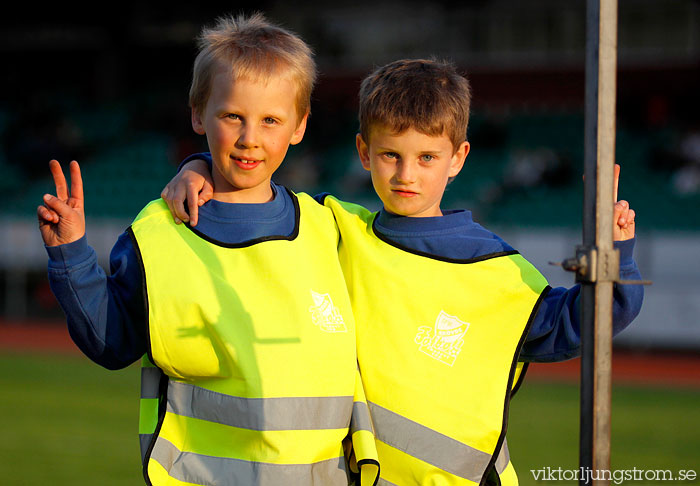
(404,193)
(246,164)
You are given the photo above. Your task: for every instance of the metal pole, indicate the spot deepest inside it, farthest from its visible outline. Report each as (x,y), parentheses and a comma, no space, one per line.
(597,250)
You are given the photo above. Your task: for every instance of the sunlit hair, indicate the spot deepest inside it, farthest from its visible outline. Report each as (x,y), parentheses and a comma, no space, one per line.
(428,96)
(253,49)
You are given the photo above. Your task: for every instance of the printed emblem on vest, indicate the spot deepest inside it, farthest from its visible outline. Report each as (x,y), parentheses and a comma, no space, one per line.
(442,342)
(325,315)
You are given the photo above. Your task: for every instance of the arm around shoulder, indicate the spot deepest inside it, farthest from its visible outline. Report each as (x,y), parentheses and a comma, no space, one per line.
(192,183)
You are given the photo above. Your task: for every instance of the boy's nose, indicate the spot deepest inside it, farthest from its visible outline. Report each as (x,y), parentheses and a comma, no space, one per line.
(405,173)
(248,137)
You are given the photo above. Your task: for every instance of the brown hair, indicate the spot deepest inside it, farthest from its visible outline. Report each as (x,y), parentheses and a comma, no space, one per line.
(427,95)
(255,49)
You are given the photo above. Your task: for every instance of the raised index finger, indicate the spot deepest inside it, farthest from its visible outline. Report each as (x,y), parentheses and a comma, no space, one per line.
(616,181)
(59,180)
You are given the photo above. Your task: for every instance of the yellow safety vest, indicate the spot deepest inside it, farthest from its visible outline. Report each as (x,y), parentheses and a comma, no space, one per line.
(438,346)
(251,376)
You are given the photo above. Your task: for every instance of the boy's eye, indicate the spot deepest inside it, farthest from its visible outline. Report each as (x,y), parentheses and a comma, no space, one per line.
(391,155)
(233,116)
(426,157)
(269,121)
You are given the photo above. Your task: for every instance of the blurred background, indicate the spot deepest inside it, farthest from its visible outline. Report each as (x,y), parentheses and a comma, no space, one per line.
(107,85)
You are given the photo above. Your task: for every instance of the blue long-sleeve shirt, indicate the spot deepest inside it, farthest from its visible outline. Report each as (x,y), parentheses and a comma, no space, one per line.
(106,315)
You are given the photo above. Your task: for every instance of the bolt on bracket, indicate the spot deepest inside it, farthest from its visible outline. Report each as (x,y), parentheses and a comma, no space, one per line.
(593,265)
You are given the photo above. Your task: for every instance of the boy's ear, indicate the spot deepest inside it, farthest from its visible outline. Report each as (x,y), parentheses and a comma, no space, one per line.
(197,124)
(362,151)
(458,158)
(298,134)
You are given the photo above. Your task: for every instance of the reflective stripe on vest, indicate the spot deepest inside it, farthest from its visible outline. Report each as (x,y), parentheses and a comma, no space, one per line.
(192,468)
(503,458)
(502,463)
(428,445)
(258,343)
(438,341)
(364,454)
(278,413)
(151,377)
(302,413)
(360,418)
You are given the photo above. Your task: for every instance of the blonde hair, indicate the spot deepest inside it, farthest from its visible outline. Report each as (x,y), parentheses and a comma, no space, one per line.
(253,49)
(427,95)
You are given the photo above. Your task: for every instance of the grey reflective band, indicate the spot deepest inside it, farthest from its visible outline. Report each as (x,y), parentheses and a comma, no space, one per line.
(200,469)
(428,445)
(285,413)
(144,442)
(360,418)
(150,381)
(501,463)
(384,482)
(503,458)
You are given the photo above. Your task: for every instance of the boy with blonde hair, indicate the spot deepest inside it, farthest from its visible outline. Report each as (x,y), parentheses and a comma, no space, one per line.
(250,369)
(448,313)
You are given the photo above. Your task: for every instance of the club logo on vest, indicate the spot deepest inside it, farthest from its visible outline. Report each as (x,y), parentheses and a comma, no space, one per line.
(442,342)
(325,315)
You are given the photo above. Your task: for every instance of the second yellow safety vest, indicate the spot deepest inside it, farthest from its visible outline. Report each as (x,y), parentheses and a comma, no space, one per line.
(438,346)
(251,376)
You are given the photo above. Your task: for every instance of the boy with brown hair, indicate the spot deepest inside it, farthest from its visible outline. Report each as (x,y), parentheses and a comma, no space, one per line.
(448,313)
(250,374)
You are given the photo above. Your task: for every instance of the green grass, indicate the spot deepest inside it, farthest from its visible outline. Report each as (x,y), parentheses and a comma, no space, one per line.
(652,428)
(66,421)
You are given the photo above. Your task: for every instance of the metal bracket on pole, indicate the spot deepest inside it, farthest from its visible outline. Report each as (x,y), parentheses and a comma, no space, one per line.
(593,265)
